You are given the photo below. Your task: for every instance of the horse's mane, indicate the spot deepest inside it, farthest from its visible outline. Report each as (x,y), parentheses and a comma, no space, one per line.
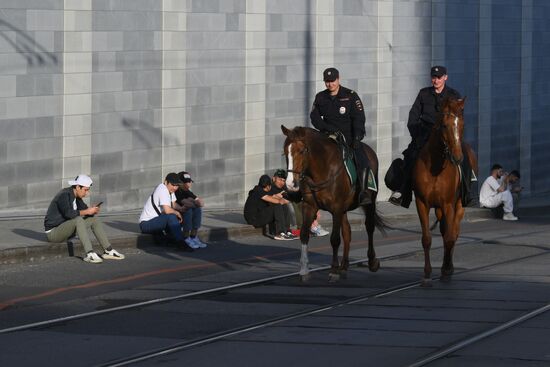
(305,134)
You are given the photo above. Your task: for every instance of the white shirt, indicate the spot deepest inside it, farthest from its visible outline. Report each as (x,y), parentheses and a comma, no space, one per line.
(161,196)
(488,189)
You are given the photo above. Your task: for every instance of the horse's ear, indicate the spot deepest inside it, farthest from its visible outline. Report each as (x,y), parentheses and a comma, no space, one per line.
(462,102)
(285,130)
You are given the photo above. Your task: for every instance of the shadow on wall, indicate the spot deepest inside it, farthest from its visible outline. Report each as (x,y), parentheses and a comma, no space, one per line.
(26,46)
(148,135)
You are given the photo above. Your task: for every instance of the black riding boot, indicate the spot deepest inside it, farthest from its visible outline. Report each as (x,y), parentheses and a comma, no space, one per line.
(365,197)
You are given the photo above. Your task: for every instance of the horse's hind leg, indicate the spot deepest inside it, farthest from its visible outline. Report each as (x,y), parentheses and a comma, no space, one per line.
(346,236)
(335,243)
(370,211)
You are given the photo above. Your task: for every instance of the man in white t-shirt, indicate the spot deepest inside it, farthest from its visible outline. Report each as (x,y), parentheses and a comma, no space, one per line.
(158,214)
(494,192)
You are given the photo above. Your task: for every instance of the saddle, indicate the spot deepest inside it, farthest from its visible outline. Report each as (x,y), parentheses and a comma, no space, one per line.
(347,154)
(348,158)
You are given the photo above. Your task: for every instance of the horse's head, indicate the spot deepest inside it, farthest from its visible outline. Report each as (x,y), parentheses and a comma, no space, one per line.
(451,128)
(295,151)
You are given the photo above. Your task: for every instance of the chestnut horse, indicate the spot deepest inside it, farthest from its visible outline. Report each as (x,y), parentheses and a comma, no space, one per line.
(316,168)
(437,180)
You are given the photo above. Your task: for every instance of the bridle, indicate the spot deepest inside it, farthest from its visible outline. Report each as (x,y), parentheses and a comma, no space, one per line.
(308,180)
(446,151)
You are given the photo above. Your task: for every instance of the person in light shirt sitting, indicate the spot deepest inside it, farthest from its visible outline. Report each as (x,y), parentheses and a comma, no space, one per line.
(494,192)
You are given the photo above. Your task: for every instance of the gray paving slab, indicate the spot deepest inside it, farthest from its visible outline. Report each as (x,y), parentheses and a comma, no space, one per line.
(23,239)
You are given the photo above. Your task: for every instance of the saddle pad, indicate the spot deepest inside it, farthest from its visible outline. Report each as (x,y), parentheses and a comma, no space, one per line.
(350,169)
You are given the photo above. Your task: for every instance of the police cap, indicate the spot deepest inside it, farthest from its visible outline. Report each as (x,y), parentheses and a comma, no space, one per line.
(438,71)
(330,74)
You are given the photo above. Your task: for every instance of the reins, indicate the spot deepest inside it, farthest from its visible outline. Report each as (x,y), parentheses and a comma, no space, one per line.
(315,187)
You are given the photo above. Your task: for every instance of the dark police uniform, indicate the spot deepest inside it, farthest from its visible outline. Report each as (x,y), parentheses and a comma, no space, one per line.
(343,112)
(424,112)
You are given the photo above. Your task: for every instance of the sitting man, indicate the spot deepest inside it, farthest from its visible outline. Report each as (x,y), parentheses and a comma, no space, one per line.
(494,192)
(515,188)
(262,208)
(190,206)
(159,216)
(68,215)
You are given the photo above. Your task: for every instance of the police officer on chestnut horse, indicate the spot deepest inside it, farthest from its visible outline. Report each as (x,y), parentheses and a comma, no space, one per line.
(423,114)
(339,109)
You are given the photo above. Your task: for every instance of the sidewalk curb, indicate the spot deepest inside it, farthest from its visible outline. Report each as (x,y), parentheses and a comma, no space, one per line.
(21,253)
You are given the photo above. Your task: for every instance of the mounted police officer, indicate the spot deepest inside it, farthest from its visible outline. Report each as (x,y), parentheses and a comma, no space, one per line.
(339,109)
(422,117)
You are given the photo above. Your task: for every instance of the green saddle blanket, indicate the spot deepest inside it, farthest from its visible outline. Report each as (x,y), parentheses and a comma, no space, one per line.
(352,174)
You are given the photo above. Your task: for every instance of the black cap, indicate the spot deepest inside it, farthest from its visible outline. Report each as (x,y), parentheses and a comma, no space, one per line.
(280,173)
(330,75)
(438,71)
(173,178)
(264,181)
(185,177)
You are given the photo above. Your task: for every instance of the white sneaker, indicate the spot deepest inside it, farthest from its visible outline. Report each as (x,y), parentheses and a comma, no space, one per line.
(198,242)
(321,231)
(189,241)
(92,257)
(509,216)
(112,255)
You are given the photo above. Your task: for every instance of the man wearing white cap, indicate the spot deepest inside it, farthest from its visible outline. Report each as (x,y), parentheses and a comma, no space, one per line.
(68,215)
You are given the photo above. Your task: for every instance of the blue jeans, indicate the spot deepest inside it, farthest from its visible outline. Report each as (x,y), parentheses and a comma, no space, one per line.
(192,219)
(164,222)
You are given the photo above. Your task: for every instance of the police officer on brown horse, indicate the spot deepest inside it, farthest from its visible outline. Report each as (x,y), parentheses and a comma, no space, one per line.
(339,109)
(422,117)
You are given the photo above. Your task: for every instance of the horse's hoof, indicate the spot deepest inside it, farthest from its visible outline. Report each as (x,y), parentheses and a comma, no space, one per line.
(305,277)
(374,265)
(333,277)
(426,283)
(447,272)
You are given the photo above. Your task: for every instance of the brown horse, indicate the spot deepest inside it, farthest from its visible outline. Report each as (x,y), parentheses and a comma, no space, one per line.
(437,180)
(317,170)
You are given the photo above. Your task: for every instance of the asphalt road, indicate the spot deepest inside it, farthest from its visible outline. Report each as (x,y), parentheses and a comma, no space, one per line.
(502,273)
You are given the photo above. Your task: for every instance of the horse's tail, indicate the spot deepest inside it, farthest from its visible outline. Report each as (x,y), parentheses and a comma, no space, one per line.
(434,225)
(380,223)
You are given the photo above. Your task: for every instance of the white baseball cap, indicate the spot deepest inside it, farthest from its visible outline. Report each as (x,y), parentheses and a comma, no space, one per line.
(81,180)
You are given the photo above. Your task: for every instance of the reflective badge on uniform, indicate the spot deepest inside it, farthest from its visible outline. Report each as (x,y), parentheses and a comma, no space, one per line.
(342,110)
(359,105)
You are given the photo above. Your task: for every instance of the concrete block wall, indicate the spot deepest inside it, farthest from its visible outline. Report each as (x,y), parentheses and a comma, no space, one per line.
(128,91)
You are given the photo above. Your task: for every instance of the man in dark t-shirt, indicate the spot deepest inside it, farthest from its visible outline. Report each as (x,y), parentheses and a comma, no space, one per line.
(262,207)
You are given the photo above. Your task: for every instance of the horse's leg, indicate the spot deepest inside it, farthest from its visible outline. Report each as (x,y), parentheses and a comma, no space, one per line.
(450,234)
(423,211)
(346,236)
(334,275)
(370,211)
(307,214)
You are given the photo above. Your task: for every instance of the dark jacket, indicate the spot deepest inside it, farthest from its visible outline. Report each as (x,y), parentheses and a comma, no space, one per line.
(425,110)
(343,112)
(254,205)
(61,208)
